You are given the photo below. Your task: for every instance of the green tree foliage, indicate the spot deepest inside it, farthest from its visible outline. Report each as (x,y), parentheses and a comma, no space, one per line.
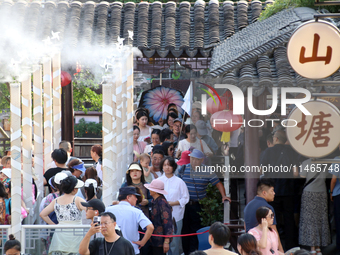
(4,97)
(212,208)
(280,5)
(89,129)
(84,86)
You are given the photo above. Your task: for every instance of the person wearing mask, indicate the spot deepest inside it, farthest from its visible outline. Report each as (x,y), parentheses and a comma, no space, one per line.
(177,197)
(161,218)
(267,238)
(247,245)
(110,244)
(129,218)
(68,210)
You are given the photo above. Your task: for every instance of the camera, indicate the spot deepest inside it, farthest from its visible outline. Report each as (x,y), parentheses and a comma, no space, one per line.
(272,251)
(96,220)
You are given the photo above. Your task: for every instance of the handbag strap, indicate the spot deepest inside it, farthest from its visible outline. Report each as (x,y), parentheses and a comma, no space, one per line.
(311,180)
(201,145)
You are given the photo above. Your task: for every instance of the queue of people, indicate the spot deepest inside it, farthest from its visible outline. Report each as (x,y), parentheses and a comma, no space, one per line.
(161,194)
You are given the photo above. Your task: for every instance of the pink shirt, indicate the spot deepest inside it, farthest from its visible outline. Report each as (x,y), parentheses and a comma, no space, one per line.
(272,240)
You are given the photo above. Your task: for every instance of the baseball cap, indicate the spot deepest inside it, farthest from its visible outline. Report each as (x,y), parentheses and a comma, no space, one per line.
(178,119)
(90,181)
(7,172)
(59,177)
(201,127)
(96,204)
(197,154)
(128,191)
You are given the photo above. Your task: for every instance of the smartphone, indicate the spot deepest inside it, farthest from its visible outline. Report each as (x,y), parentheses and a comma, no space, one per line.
(96,220)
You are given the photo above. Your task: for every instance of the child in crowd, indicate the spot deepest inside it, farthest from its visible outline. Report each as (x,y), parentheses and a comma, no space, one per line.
(145,162)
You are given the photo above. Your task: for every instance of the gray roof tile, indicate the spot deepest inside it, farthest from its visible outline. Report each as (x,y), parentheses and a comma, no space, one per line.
(163,28)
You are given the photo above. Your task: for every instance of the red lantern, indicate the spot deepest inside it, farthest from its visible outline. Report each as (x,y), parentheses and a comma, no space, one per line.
(65,78)
(212,107)
(226,121)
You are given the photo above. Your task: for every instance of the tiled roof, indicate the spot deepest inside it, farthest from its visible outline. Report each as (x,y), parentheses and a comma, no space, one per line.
(272,70)
(257,56)
(162,30)
(257,39)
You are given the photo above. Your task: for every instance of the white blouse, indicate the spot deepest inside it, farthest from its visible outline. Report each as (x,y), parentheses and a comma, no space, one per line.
(177,191)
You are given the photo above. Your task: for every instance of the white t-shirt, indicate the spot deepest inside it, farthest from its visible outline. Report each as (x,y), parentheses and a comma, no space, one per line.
(184,145)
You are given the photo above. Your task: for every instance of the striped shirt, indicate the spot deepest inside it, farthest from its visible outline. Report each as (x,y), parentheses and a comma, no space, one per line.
(198,186)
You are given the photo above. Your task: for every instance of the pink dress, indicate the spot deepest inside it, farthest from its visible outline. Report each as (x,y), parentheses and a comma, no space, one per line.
(139,148)
(272,240)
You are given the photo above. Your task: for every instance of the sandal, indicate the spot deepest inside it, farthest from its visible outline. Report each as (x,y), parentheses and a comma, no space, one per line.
(312,252)
(318,251)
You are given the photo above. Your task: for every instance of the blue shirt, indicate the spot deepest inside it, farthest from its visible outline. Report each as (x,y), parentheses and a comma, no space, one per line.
(334,170)
(250,212)
(197,186)
(129,219)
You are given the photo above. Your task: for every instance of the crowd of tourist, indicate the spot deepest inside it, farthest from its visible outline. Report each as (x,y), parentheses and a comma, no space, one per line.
(160,196)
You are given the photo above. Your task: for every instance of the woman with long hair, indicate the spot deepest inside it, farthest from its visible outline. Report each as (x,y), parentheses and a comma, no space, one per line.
(247,245)
(135,177)
(138,146)
(142,117)
(267,238)
(68,209)
(177,197)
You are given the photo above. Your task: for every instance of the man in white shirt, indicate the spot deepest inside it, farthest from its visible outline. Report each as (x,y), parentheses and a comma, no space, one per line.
(130,218)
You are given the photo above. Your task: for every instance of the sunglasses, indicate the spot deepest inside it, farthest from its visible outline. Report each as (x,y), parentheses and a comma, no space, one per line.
(271,216)
(171,149)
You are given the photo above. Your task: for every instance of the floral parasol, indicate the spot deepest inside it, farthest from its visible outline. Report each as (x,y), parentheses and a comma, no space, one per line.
(158,99)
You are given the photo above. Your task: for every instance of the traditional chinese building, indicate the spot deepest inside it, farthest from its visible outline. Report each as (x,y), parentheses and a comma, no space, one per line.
(257,57)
